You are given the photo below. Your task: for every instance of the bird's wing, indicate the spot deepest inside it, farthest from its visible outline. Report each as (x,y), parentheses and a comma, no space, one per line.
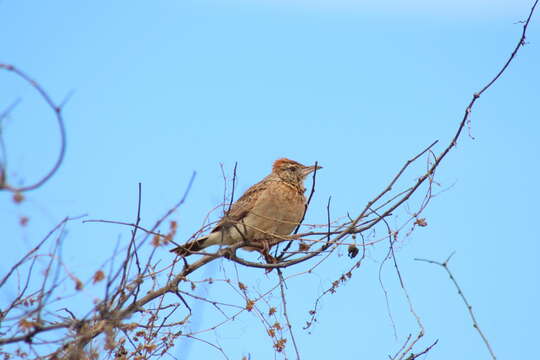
(243,205)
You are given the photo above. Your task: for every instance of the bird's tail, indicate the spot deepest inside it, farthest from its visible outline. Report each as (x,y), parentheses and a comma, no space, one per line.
(190,247)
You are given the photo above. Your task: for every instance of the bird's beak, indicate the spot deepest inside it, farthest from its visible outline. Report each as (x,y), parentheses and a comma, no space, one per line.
(309,169)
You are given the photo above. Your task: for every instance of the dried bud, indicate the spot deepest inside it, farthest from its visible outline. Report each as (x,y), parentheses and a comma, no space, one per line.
(156,241)
(353,251)
(18,198)
(23,220)
(98,276)
(78,284)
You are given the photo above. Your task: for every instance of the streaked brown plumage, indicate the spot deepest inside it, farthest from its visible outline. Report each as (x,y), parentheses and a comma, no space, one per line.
(270,209)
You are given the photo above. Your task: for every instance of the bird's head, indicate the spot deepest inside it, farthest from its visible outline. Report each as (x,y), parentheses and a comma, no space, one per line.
(292,171)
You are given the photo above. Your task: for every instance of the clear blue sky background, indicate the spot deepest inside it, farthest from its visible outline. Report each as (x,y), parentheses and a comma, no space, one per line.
(165,88)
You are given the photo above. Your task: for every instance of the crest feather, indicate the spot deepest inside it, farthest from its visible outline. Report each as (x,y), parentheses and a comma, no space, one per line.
(279,163)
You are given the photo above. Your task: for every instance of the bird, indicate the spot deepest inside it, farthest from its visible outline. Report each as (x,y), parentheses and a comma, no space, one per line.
(268,210)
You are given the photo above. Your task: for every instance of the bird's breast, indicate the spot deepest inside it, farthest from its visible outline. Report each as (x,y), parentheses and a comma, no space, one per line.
(278,210)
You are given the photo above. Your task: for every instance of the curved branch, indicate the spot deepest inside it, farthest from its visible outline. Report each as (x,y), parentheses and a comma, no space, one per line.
(57,109)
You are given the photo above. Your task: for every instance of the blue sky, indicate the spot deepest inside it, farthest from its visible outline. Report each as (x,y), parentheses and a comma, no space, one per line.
(166,88)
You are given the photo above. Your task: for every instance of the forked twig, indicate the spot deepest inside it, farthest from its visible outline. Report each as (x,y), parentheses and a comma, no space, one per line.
(462,295)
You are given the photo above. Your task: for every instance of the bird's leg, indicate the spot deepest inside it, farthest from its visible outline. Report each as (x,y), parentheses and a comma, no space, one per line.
(265,251)
(229,253)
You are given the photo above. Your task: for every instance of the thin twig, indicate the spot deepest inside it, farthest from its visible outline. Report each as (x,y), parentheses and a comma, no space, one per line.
(426,350)
(233,188)
(284,303)
(36,248)
(124,223)
(462,295)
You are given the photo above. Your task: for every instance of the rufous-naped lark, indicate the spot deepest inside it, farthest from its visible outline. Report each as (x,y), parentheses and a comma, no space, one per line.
(267,212)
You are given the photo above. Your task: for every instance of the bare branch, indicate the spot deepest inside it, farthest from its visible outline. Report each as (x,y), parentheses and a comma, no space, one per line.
(444,265)
(57,109)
